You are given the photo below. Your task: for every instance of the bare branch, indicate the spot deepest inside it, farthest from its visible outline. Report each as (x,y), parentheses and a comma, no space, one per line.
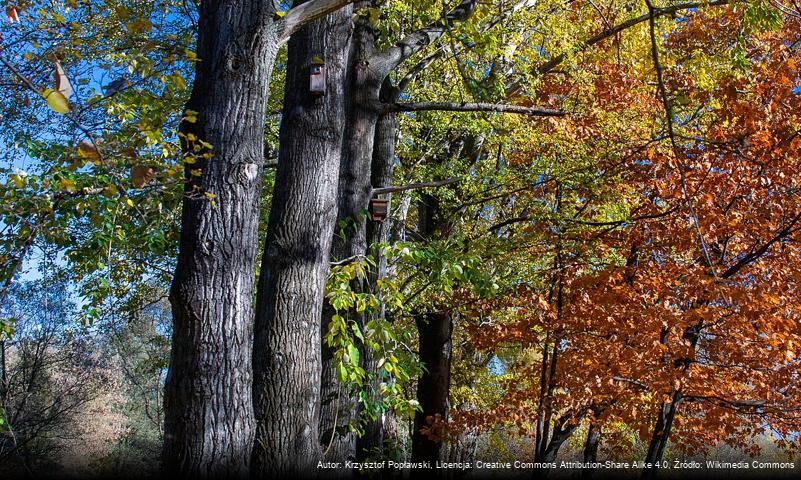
(413,186)
(304,13)
(475,107)
(723,402)
(419,39)
(759,252)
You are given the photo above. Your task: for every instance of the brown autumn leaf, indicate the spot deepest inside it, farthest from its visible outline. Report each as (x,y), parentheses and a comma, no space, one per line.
(141,175)
(63,84)
(12,14)
(88,150)
(129,153)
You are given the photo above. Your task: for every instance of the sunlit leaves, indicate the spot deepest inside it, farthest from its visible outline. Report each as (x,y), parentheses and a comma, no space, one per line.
(77,188)
(56,101)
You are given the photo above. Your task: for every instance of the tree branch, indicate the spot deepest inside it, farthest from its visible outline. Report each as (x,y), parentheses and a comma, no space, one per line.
(413,186)
(304,13)
(734,404)
(419,39)
(756,254)
(474,107)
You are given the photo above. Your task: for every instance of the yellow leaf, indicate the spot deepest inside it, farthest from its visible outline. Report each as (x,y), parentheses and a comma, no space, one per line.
(18,180)
(190,116)
(178,80)
(67,184)
(140,25)
(56,101)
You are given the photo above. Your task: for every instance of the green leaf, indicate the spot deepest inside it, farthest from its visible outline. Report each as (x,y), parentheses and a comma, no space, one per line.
(353,353)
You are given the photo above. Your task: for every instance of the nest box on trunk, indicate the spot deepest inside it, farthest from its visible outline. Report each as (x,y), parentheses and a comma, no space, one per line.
(379,208)
(317,76)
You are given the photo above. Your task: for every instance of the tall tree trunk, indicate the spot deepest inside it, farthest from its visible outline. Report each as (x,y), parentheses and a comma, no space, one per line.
(295,265)
(382,166)
(208,408)
(435,331)
(368,71)
(208,405)
(340,406)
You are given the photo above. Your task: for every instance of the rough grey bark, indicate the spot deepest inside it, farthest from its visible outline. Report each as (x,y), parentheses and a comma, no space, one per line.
(339,405)
(208,409)
(369,68)
(208,406)
(295,264)
(464,449)
(381,169)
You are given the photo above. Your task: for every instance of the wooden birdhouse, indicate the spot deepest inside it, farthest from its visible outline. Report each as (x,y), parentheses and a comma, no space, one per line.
(379,208)
(317,76)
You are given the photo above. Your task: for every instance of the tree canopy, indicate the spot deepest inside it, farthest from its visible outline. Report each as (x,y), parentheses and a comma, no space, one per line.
(502,229)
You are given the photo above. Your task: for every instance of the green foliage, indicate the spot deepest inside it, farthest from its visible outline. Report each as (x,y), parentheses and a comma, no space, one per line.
(75,180)
(357,329)
(7,328)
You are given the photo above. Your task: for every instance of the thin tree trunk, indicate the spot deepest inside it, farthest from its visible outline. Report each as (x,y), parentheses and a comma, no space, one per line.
(539,434)
(591,448)
(295,265)
(661,434)
(549,396)
(3,373)
(208,407)
(435,331)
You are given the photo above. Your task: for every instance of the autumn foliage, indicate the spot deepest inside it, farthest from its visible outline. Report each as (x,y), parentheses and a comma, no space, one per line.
(673,271)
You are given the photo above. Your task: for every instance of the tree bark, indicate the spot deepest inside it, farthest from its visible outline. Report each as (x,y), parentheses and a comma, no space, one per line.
(661,434)
(209,421)
(287,355)
(339,406)
(368,71)
(381,169)
(434,383)
(208,408)
(591,448)
(435,331)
